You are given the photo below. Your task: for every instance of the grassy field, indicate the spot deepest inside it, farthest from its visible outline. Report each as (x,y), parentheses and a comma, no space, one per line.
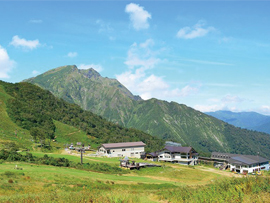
(169,183)
(8,130)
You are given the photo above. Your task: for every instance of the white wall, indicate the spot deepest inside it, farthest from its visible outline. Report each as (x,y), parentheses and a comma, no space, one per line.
(135,152)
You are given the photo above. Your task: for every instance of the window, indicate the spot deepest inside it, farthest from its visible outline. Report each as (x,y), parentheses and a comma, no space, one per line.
(136,152)
(123,150)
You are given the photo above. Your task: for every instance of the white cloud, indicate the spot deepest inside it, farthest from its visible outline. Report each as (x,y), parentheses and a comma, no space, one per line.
(152,83)
(232,99)
(227,102)
(142,56)
(196,31)
(26,44)
(6,64)
(138,16)
(209,108)
(72,54)
(140,59)
(97,67)
(265,109)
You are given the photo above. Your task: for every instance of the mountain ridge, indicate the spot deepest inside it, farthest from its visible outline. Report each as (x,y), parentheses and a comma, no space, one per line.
(166,120)
(248,120)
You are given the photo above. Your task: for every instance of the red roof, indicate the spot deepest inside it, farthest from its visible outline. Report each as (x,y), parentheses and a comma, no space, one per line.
(123,144)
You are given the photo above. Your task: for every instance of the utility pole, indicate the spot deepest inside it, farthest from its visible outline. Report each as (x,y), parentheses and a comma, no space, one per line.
(82,150)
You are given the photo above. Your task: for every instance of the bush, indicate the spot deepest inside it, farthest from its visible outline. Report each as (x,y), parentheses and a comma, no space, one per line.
(9,173)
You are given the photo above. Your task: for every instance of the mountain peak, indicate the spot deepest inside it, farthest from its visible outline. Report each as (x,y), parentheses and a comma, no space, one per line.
(90,73)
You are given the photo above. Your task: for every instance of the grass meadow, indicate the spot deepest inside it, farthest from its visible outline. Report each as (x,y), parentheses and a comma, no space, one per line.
(169,183)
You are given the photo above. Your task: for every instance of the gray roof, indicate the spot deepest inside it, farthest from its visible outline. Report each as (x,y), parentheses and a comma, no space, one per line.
(221,155)
(247,160)
(178,149)
(123,144)
(153,154)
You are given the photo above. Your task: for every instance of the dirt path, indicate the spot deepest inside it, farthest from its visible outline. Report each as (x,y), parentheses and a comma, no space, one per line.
(224,173)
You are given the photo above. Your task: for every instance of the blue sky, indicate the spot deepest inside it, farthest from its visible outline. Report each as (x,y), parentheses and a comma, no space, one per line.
(205,54)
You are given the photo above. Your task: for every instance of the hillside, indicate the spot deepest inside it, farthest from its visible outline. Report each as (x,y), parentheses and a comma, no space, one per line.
(36,114)
(166,120)
(248,120)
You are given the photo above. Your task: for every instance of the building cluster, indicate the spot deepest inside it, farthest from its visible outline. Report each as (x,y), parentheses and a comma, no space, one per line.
(243,164)
(175,153)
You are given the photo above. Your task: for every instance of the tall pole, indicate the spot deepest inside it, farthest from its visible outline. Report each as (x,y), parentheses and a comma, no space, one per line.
(81,157)
(82,149)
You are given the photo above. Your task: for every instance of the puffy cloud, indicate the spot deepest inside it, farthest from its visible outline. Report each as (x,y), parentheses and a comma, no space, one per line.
(196,31)
(138,16)
(97,67)
(72,54)
(6,64)
(141,58)
(227,102)
(26,44)
(152,83)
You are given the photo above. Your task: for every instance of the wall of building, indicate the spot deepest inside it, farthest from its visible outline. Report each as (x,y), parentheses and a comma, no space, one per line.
(135,152)
(177,157)
(249,169)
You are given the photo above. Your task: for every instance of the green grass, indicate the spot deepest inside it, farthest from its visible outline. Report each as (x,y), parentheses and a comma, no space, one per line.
(8,129)
(169,173)
(40,183)
(38,180)
(66,134)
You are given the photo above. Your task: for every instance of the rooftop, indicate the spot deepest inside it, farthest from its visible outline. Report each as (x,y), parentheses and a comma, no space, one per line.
(178,149)
(247,160)
(123,144)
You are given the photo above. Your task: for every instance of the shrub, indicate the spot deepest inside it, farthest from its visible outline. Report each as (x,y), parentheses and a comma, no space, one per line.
(9,173)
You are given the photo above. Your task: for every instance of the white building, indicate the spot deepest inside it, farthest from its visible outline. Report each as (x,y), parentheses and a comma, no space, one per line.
(248,164)
(242,163)
(176,154)
(129,149)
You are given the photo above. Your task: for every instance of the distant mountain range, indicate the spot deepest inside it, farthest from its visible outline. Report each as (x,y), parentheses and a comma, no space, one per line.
(248,120)
(166,120)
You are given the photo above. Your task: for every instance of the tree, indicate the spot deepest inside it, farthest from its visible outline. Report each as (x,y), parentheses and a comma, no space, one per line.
(38,133)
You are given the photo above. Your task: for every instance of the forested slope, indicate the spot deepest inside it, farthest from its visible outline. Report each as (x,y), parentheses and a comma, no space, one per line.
(162,119)
(35,110)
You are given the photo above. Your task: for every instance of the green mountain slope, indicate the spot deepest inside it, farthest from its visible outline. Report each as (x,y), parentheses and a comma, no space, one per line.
(10,131)
(167,120)
(34,111)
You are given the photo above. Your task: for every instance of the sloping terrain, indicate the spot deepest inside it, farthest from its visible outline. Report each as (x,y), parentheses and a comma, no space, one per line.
(166,120)
(36,114)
